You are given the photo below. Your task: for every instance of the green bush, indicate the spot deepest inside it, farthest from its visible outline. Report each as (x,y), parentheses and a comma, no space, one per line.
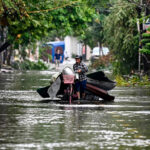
(28,65)
(73,55)
(146,35)
(145,51)
(132,81)
(146,43)
(102,62)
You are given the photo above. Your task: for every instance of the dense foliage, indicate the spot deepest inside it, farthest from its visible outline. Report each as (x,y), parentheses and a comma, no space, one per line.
(44,53)
(122,37)
(31,20)
(95,22)
(102,62)
(133,81)
(94,33)
(146,42)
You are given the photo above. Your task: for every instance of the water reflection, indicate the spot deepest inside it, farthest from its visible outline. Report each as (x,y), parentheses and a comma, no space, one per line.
(29,122)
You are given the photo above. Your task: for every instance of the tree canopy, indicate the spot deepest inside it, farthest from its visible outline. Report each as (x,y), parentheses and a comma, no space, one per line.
(121,36)
(109,22)
(31,20)
(94,32)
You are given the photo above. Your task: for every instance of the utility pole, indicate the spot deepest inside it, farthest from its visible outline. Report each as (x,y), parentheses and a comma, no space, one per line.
(139,58)
(140,29)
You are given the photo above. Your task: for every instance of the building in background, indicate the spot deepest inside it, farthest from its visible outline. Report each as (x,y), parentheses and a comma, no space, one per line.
(71,46)
(74,47)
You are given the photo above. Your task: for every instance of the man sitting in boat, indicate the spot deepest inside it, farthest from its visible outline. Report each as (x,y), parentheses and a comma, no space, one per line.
(80,69)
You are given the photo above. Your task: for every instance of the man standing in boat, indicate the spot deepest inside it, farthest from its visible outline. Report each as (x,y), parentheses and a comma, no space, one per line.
(80,69)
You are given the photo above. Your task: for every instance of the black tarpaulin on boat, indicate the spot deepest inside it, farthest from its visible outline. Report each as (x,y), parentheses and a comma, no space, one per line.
(99,79)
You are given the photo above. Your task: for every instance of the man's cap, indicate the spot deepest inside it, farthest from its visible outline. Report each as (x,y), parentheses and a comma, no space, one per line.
(77,57)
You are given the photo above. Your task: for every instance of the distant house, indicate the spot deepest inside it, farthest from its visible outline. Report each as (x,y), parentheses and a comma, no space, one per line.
(100,52)
(73,47)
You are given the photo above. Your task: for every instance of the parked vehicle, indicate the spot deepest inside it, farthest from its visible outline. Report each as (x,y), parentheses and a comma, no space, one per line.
(97,52)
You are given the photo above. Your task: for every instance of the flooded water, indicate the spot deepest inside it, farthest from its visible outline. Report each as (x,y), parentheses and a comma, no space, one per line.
(27,122)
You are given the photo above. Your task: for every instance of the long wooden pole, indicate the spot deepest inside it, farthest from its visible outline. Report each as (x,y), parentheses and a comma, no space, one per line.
(139,58)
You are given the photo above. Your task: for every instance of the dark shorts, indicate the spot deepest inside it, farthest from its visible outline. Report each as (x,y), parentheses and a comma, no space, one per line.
(80,86)
(57,61)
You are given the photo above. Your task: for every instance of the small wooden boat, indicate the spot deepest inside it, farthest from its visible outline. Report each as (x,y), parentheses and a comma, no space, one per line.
(96,90)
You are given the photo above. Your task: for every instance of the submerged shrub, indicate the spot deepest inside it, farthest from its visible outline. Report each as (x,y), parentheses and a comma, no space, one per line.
(29,65)
(102,62)
(133,80)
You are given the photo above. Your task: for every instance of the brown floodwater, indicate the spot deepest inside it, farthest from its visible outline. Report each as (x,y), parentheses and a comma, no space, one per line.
(28,123)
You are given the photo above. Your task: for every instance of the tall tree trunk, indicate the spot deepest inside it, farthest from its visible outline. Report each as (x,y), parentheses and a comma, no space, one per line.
(3,45)
(100,48)
(9,54)
(85,51)
(5,57)
(1,60)
(1,56)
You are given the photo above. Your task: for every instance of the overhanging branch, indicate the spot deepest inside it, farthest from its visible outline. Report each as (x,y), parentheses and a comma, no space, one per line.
(4,46)
(140,4)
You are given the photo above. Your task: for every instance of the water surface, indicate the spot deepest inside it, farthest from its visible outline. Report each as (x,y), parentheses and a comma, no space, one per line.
(27,122)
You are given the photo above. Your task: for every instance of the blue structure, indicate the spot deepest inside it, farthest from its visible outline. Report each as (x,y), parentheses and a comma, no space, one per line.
(57,45)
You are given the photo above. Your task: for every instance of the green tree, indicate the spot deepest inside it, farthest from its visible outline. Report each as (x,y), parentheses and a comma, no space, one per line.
(94,32)
(146,43)
(122,37)
(30,20)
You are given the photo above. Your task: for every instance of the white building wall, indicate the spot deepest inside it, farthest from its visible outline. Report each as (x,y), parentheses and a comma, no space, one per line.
(88,53)
(68,45)
(73,46)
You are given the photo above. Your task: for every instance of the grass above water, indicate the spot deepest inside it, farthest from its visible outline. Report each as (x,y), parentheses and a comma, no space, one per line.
(133,81)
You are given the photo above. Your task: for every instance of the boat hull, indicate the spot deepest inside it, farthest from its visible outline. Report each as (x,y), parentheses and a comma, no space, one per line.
(77,102)
(99,92)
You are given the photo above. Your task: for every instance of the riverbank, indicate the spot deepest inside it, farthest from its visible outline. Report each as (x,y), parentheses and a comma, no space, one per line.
(6,69)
